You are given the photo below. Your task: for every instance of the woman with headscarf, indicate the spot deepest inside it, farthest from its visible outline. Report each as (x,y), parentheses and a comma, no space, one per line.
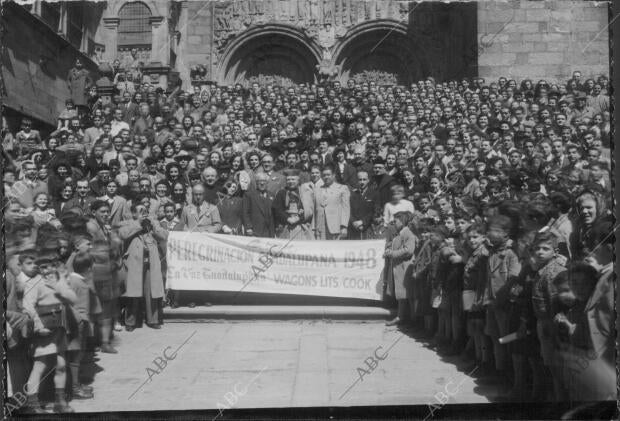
(590,207)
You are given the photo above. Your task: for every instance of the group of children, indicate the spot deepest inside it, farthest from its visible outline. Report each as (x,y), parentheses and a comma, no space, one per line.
(497,291)
(51,310)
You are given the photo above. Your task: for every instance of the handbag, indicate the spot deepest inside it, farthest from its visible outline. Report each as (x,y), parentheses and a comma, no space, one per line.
(53,316)
(468,299)
(436,297)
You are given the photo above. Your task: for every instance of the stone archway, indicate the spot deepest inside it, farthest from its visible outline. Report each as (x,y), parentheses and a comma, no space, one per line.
(382,45)
(271,49)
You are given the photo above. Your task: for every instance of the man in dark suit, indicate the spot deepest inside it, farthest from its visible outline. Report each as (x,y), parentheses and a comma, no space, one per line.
(382,182)
(94,161)
(325,156)
(257,214)
(275,180)
(129,108)
(364,208)
(345,172)
(99,183)
(82,200)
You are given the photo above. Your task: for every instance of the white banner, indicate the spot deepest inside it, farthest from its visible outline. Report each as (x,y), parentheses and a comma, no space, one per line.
(217,262)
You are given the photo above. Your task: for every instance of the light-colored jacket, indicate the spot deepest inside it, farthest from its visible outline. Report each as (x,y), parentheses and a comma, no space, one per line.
(40,292)
(332,208)
(203,219)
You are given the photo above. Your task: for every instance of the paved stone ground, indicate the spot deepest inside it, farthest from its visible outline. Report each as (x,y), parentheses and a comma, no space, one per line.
(272,364)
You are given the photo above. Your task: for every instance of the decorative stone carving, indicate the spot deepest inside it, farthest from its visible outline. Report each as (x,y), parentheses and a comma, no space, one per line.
(313,16)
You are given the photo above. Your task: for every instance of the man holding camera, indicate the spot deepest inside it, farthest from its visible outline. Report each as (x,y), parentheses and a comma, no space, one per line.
(145,284)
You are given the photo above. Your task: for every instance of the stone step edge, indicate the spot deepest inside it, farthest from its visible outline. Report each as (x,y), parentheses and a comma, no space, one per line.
(267,312)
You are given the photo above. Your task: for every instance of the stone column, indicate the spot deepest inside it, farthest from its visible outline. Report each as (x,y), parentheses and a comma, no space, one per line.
(181,49)
(110,38)
(160,44)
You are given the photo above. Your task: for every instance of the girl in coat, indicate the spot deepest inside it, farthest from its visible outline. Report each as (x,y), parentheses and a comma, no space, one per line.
(399,255)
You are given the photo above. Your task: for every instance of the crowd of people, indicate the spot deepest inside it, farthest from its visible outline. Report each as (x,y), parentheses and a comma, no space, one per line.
(493,198)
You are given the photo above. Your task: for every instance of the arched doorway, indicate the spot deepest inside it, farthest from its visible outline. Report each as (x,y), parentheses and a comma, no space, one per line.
(379,46)
(270,50)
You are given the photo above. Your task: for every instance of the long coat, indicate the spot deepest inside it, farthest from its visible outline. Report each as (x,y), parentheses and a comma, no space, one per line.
(78,81)
(258,214)
(403,248)
(601,317)
(133,258)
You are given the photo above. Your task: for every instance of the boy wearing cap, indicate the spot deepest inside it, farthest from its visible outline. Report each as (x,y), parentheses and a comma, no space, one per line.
(19,322)
(46,300)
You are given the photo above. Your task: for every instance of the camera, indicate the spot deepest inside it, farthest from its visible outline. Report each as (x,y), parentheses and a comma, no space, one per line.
(146,225)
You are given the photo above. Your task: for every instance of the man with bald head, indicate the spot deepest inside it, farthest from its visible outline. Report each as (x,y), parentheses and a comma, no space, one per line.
(257,213)
(200,216)
(209,178)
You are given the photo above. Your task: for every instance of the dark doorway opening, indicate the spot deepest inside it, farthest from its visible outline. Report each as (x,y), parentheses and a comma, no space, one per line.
(272,56)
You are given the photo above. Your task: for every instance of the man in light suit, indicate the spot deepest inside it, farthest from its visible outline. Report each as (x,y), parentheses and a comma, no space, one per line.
(200,216)
(24,191)
(332,208)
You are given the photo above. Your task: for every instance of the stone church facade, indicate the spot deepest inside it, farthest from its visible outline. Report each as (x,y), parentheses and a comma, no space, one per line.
(227,42)
(301,40)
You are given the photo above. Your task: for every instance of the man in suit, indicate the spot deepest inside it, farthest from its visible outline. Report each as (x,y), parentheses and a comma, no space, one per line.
(82,200)
(95,160)
(382,182)
(275,180)
(93,133)
(144,120)
(200,216)
(257,212)
(345,172)
(24,191)
(332,208)
(364,208)
(128,108)
(325,155)
(100,181)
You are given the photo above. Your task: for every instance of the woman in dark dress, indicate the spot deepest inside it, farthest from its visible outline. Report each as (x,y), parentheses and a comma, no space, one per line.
(230,208)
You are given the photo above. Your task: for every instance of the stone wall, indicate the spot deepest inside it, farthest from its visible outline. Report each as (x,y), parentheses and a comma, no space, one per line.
(199,36)
(35,65)
(542,39)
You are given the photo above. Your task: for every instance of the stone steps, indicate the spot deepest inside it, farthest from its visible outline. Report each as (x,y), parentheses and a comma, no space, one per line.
(274,312)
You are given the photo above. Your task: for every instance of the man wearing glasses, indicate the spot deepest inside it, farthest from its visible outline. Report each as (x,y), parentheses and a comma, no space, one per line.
(276,181)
